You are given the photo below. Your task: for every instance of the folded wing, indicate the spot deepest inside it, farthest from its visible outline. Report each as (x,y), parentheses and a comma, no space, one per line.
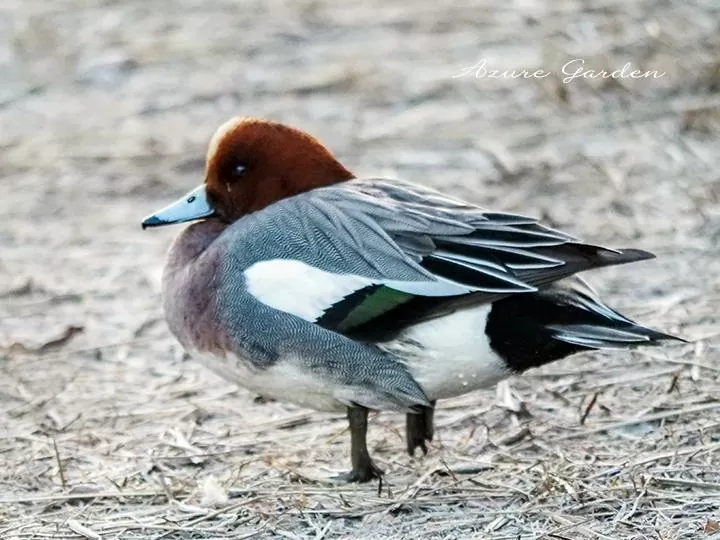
(372,252)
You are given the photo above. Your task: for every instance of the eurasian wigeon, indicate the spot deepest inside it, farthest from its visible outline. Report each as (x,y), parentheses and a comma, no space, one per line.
(308,285)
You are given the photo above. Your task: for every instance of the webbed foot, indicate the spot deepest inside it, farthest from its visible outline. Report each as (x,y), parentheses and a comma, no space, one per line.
(360,475)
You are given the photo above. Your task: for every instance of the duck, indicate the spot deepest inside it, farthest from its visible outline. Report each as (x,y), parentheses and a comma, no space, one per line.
(306,284)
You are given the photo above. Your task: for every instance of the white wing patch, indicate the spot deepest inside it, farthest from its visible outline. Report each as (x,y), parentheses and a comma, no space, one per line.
(298,288)
(305,291)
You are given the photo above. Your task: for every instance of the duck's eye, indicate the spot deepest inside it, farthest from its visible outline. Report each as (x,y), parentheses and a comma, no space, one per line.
(238,170)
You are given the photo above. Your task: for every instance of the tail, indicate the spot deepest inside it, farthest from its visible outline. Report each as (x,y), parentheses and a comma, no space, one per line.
(530,330)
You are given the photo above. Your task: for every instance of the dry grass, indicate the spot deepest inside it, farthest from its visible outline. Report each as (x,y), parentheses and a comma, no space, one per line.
(105,107)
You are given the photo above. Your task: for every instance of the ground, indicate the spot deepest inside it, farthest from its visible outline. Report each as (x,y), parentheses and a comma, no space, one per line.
(106,107)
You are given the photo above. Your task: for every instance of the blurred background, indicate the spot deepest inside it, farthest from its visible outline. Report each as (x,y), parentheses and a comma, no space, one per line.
(106,108)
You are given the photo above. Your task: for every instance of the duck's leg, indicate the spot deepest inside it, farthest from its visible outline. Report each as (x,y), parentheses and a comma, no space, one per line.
(419,428)
(363,468)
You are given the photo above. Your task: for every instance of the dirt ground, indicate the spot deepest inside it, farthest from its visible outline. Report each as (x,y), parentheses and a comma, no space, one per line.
(106,106)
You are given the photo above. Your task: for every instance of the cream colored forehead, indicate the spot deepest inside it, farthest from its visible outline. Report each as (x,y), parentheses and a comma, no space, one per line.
(220,134)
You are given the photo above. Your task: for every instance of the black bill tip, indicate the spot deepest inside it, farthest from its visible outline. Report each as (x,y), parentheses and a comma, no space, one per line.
(152,221)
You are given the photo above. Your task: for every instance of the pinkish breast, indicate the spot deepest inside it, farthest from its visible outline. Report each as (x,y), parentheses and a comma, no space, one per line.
(190,289)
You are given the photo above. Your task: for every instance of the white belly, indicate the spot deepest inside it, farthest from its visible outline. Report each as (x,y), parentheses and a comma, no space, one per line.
(283,381)
(451,355)
(448,357)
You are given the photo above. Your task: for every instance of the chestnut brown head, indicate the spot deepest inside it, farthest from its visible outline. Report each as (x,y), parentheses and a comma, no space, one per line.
(250,164)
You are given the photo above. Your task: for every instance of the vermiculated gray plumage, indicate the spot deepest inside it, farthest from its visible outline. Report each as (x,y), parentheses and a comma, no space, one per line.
(380,294)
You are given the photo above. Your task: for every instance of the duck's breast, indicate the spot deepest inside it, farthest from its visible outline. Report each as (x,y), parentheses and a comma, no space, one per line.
(218,322)
(190,289)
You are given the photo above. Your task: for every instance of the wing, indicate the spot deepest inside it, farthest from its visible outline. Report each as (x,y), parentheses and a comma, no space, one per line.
(387,253)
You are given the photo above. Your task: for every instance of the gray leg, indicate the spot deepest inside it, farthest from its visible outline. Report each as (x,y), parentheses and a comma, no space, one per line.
(363,468)
(419,428)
